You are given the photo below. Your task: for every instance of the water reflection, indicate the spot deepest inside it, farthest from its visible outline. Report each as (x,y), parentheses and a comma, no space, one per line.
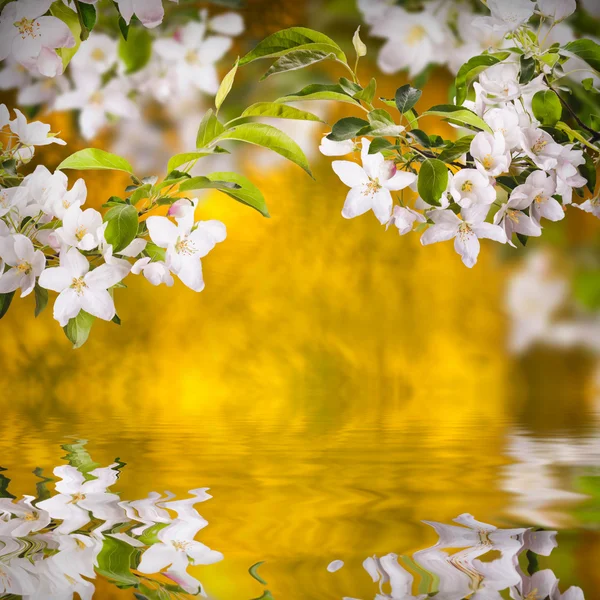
(59,545)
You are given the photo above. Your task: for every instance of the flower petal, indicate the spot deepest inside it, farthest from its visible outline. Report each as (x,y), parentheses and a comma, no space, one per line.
(350,173)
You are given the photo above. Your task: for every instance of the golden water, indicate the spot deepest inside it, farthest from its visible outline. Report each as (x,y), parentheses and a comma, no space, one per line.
(333,385)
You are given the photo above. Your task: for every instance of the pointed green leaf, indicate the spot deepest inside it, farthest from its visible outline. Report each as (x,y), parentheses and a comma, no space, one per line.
(122,226)
(298,59)
(368,93)
(471,69)
(319,92)
(136,50)
(294,38)
(347,128)
(278,111)
(406,97)
(269,137)
(226,86)
(247,193)
(41,300)
(187,157)
(71,19)
(359,45)
(78,329)
(547,108)
(5,302)
(587,50)
(459,115)
(456,150)
(203,183)
(116,561)
(209,129)
(94,159)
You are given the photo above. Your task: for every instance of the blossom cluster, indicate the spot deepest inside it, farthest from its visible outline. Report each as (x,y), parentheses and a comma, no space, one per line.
(112,79)
(54,546)
(521,166)
(436,32)
(466,572)
(50,242)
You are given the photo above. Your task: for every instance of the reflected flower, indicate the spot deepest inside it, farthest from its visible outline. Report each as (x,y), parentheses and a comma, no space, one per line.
(26,517)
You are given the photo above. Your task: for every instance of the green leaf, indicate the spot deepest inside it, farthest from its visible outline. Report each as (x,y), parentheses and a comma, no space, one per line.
(421,137)
(123,28)
(459,115)
(78,457)
(122,226)
(294,38)
(319,91)
(253,570)
(247,193)
(456,150)
(187,157)
(587,50)
(368,93)
(94,159)
(210,128)
(381,124)
(226,86)
(155,252)
(298,59)
(359,45)
(78,329)
(407,97)
(278,111)
(5,302)
(471,69)
(87,16)
(527,69)
(433,181)
(547,108)
(71,19)
(588,170)
(347,128)
(380,144)
(41,300)
(350,87)
(136,50)
(412,118)
(203,183)
(269,137)
(116,561)
(140,193)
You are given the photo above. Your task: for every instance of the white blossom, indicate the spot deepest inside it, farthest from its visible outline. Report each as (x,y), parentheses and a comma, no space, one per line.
(33,134)
(405,218)
(470,187)
(31,38)
(591,206)
(155,272)
(98,53)
(490,153)
(506,122)
(513,220)
(500,83)
(465,232)
(27,264)
(507,15)
(539,146)
(149,12)
(81,228)
(371,184)
(557,9)
(81,289)
(538,190)
(331,148)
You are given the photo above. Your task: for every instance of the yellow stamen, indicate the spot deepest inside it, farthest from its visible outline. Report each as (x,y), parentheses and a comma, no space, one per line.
(415,35)
(79,286)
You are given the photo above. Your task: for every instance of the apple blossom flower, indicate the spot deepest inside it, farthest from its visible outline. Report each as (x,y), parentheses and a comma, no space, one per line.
(414,39)
(573,593)
(149,12)
(27,264)
(567,175)
(176,550)
(506,122)
(331,148)
(146,511)
(191,55)
(97,103)
(538,190)
(539,146)
(386,570)
(4,116)
(33,134)
(500,83)
(81,228)
(15,576)
(404,219)
(591,206)
(13,202)
(371,184)
(27,517)
(81,289)
(227,23)
(185,245)
(507,15)
(513,220)
(98,53)
(155,272)
(557,10)
(465,232)
(31,38)
(470,187)
(490,154)
(79,498)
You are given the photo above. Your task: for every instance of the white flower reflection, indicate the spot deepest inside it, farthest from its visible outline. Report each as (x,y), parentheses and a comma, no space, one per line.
(53,549)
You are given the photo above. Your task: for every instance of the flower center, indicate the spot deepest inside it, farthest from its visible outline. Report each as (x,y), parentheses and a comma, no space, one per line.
(533,595)
(80,544)
(513,215)
(488,161)
(465,231)
(415,35)
(24,267)
(96,98)
(98,54)
(180,546)
(80,232)
(4,200)
(372,187)
(33,516)
(468,186)
(539,146)
(184,246)
(78,497)
(191,57)
(66,203)
(79,285)
(540,199)
(28,28)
